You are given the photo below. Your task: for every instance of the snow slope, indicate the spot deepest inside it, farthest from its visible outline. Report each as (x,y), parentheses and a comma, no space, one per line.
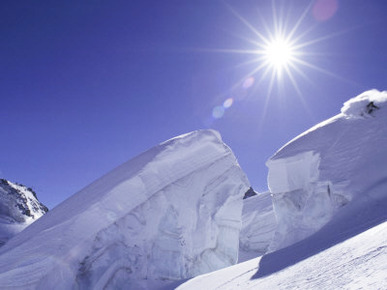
(329,189)
(19,207)
(171,213)
(357,263)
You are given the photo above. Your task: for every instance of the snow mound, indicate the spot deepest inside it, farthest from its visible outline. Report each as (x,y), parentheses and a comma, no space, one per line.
(329,167)
(171,213)
(364,103)
(19,207)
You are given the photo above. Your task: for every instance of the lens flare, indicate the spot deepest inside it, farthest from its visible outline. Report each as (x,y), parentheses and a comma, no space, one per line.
(248,82)
(218,112)
(228,103)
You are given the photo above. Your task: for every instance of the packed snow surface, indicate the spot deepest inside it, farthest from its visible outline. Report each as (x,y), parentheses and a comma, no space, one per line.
(357,263)
(173,212)
(19,207)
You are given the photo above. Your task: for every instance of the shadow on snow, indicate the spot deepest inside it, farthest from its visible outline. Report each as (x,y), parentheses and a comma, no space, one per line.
(355,218)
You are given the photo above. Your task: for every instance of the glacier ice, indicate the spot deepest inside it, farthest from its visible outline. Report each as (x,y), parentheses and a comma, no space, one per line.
(336,163)
(258,226)
(171,213)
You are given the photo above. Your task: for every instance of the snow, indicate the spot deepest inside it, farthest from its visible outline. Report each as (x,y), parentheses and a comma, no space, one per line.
(329,188)
(258,226)
(19,208)
(175,212)
(357,107)
(293,173)
(326,168)
(357,263)
(171,213)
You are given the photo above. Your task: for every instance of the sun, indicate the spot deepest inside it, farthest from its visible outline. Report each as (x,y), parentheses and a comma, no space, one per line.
(281,49)
(279,54)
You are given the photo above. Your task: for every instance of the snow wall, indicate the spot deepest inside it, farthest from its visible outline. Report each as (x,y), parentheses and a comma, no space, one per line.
(337,162)
(173,212)
(258,226)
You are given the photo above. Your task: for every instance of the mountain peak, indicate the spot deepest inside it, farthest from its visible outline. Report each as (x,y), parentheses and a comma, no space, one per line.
(19,207)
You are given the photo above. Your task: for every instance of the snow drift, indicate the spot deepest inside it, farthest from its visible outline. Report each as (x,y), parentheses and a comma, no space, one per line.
(171,213)
(329,166)
(19,207)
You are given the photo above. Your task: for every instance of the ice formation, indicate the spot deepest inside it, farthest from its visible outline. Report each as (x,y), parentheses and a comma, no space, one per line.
(322,170)
(329,188)
(258,226)
(19,207)
(171,213)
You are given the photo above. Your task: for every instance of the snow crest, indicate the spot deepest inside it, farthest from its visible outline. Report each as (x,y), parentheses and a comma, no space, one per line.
(364,104)
(173,212)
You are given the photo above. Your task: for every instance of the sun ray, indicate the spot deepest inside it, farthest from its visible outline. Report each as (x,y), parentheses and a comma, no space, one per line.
(282,50)
(300,72)
(251,27)
(266,104)
(300,95)
(282,53)
(299,21)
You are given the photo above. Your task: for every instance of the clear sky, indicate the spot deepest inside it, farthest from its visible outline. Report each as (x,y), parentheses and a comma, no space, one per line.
(87,85)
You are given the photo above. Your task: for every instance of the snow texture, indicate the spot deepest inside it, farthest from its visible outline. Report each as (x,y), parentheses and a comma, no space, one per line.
(324,169)
(171,213)
(19,207)
(356,263)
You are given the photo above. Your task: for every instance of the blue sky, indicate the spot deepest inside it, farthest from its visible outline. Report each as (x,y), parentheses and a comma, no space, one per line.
(87,85)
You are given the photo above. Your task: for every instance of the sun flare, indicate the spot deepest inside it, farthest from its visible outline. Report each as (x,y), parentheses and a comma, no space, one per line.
(279,54)
(281,49)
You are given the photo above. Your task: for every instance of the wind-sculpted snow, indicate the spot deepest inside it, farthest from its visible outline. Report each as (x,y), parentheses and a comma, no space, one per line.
(171,213)
(364,104)
(328,167)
